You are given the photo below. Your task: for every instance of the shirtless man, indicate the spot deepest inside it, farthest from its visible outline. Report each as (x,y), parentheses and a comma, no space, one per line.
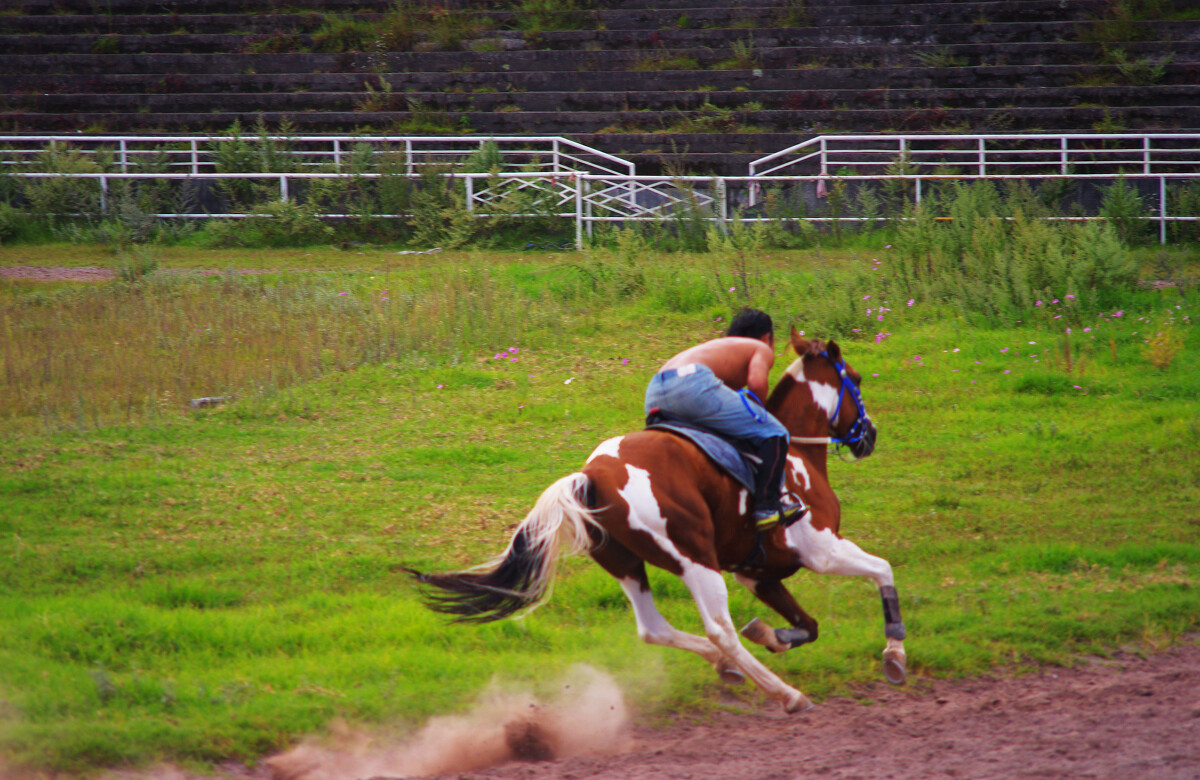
(701,385)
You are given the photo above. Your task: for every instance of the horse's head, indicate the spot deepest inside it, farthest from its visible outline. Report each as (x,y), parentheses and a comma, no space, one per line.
(819,398)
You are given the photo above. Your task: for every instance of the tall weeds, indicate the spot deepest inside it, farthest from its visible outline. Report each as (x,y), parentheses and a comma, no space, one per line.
(146,345)
(994,261)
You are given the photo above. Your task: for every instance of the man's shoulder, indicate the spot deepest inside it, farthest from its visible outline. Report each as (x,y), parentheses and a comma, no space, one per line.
(737,343)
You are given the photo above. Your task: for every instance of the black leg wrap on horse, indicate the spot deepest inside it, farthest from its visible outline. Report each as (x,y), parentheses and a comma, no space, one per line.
(893,627)
(793,637)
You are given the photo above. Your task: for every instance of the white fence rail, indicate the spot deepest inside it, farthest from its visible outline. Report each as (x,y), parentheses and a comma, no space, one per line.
(987,155)
(200,154)
(571,181)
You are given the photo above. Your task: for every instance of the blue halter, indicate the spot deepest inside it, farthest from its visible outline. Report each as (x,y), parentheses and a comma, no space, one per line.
(859,429)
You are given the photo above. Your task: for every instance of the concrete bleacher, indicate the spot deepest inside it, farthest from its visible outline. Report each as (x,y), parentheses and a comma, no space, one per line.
(678,85)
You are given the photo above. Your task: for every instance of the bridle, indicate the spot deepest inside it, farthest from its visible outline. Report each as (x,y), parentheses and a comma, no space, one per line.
(861,425)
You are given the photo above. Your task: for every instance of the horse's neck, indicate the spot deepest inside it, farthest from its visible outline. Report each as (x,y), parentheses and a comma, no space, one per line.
(803,419)
(816,458)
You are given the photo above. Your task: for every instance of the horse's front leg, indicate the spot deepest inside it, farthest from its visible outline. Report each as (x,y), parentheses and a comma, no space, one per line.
(773,593)
(824,552)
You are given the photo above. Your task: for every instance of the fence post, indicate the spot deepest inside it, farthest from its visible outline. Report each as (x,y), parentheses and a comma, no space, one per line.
(103,194)
(917,200)
(982,157)
(337,154)
(723,204)
(579,211)
(470,192)
(283,187)
(587,205)
(124,156)
(1162,209)
(195,158)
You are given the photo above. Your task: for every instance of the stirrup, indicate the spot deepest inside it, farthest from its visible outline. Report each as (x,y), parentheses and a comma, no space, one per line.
(786,514)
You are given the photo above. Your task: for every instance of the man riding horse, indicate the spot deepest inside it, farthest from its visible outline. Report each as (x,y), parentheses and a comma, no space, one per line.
(717,385)
(658,497)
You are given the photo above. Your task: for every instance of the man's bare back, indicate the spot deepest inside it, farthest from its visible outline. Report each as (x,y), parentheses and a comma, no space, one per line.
(737,361)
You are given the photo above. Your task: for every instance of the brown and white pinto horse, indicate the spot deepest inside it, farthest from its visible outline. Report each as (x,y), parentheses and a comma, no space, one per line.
(654,497)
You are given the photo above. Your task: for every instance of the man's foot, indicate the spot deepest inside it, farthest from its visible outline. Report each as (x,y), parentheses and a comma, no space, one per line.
(786,514)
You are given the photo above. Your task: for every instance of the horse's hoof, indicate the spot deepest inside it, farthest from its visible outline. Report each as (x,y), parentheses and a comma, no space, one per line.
(797,703)
(758,631)
(730,674)
(894,666)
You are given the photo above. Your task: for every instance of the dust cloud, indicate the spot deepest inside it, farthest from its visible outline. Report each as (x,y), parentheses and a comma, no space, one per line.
(586,716)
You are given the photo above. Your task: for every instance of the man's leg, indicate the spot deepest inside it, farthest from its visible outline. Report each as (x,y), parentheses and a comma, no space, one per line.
(696,394)
(768,506)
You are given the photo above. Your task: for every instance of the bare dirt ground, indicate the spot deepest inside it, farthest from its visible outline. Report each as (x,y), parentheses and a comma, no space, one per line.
(1131,716)
(1125,717)
(41,273)
(91,273)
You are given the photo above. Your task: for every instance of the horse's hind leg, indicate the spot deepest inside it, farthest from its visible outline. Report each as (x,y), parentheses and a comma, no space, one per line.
(654,629)
(712,598)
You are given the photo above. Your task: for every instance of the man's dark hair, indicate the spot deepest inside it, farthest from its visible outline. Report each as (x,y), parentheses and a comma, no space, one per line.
(752,324)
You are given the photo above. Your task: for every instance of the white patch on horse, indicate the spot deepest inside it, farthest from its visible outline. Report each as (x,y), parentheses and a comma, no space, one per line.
(644,512)
(611,448)
(824,396)
(823,552)
(743,498)
(796,370)
(799,472)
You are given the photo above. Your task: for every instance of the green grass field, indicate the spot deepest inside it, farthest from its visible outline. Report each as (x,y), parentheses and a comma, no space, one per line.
(194,585)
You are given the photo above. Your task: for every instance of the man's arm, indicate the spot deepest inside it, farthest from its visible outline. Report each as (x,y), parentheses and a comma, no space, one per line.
(759,371)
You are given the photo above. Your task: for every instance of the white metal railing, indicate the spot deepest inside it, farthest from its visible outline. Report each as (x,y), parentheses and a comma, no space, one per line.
(198,154)
(729,198)
(606,195)
(987,155)
(590,200)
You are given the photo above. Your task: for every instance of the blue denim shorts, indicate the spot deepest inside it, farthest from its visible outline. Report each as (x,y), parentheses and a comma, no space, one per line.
(694,393)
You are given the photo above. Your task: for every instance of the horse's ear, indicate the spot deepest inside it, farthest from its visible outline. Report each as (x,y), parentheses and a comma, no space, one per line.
(834,351)
(799,343)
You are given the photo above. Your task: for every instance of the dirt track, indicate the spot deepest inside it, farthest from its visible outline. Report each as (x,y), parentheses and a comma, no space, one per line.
(1128,717)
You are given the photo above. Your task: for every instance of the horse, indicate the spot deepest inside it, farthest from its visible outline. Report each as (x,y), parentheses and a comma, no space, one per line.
(654,497)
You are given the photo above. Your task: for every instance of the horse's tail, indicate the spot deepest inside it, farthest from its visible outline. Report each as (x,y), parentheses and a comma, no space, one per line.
(521,576)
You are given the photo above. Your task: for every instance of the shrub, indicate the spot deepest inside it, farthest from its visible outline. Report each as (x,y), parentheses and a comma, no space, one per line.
(995,263)
(10,221)
(1123,208)
(1184,201)
(58,199)
(1162,347)
(136,264)
(288,223)
(439,218)
(344,33)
